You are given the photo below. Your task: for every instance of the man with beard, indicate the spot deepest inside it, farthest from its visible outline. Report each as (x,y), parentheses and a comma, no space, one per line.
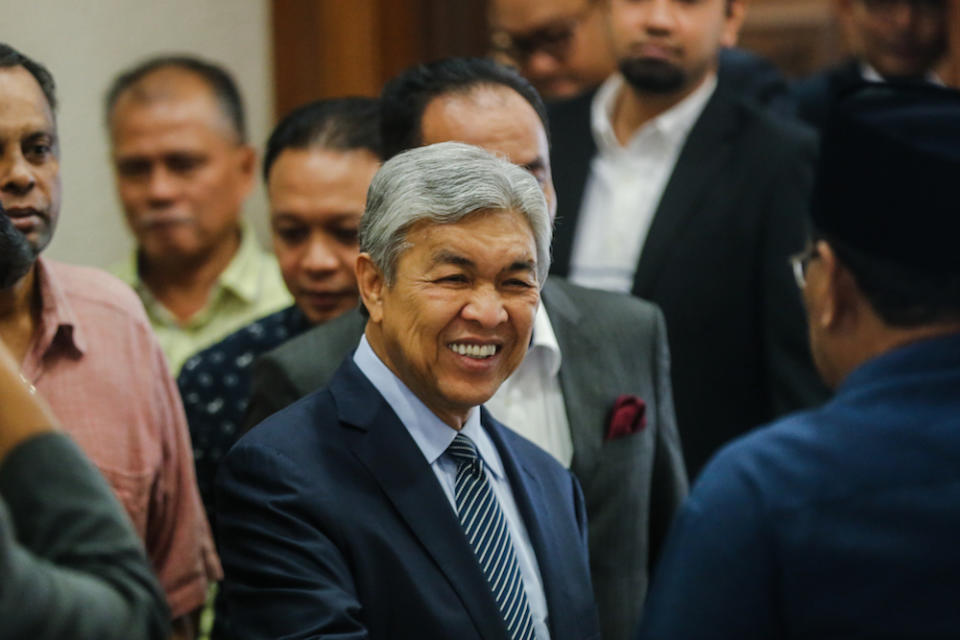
(84,343)
(672,188)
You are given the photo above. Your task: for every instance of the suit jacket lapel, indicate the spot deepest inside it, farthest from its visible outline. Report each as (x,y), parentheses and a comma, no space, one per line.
(582,385)
(382,444)
(533,505)
(700,163)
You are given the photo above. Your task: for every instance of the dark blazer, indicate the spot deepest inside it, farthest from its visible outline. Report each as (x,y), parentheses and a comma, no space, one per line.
(815,96)
(71,565)
(715,261)
(611,344)
(839,522)
(333,524)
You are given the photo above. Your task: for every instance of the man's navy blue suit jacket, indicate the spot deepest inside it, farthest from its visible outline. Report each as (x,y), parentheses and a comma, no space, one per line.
(332,524)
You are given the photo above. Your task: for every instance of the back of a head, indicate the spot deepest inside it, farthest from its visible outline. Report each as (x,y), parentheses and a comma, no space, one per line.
(10,57)
(405,98)
(337,124)
(885,198)
(216,78)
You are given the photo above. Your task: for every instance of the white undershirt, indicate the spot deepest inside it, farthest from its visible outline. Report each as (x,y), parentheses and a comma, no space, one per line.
(530,401)
(625,185)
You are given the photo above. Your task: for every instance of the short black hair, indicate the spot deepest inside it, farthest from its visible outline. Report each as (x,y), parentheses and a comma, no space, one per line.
(405,97)
(218,79)
(903,296)
(338,124)
(10,57)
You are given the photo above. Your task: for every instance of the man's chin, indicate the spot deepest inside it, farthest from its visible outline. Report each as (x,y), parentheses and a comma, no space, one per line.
(653,76)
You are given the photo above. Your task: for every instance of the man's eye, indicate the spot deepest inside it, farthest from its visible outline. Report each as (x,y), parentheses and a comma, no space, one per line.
(518,283)
(133,168)
(184,164)
(38,151)
(292,235)
(457,278)
(346,235)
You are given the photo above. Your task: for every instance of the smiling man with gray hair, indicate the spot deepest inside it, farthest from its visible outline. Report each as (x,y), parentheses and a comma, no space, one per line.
(390,503)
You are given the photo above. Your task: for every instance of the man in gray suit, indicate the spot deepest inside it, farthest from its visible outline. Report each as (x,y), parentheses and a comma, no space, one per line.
(594,388)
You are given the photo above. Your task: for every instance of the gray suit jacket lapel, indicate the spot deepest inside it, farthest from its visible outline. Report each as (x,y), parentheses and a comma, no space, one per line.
(583,385)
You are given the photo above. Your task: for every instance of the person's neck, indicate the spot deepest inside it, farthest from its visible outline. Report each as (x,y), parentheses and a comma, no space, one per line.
(19,314)
(633,108)
(183,286)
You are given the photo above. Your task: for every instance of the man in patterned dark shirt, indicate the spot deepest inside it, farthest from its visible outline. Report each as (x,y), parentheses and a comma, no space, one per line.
(318,164)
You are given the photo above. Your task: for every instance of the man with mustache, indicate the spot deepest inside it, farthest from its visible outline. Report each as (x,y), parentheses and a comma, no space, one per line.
(674,189)
(85,344)
(183,169)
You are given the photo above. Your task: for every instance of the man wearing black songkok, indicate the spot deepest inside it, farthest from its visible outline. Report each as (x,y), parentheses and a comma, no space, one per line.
(842,521)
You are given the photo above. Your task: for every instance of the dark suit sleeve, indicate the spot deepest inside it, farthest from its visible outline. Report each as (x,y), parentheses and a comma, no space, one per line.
(668,486)
(792,382)
(716,577)
(271,390)
(284,577)
(74,568)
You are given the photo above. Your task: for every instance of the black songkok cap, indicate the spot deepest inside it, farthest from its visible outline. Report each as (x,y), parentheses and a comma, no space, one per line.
(888,180)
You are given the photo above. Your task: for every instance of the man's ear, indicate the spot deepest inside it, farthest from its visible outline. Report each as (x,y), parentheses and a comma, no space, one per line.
(736,11)
(371,283)
(247,161)
(835,289)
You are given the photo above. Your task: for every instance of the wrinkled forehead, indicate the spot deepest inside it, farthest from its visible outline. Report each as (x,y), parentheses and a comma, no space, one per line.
(170,94)
(23,105)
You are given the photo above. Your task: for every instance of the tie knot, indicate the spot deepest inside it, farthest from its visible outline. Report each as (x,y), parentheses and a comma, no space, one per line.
(463,450)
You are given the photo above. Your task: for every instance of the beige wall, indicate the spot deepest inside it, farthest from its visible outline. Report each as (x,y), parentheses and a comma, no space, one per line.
(85,43)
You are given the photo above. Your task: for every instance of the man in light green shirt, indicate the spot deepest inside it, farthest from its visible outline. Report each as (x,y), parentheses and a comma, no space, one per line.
(183,170)
(249,288)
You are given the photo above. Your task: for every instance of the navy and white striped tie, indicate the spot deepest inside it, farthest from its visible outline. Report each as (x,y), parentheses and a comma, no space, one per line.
(486,528)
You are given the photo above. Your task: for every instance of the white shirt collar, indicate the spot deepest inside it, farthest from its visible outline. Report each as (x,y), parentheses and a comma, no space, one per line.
(674,124)
(868,73)
(431,434)
(546,340)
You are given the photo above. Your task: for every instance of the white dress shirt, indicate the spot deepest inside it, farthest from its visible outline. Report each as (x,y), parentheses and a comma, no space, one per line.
(433,437)
(625,185)
(530,401)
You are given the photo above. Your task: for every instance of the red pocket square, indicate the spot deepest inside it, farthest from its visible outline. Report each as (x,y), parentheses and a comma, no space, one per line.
(629,415)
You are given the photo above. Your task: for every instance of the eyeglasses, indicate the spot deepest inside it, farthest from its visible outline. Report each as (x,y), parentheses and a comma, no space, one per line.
(800,261)
(553,39)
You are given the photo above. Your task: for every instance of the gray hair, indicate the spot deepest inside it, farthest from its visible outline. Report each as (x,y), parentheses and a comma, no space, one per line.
(444,183)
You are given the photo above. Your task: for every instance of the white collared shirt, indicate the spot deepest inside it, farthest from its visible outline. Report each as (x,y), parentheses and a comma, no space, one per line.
(625,185)
(869,74)
(530,401)
(433,436)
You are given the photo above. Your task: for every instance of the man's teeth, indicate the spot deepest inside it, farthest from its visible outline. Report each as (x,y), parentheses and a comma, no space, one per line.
(474,350)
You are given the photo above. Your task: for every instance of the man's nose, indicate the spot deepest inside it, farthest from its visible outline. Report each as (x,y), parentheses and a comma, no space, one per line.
(161,185)
(659,16)
(16,174)
(319,256)
(485,307)
(542,65)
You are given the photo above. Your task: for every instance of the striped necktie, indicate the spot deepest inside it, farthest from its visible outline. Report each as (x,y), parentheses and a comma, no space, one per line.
(486,528)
